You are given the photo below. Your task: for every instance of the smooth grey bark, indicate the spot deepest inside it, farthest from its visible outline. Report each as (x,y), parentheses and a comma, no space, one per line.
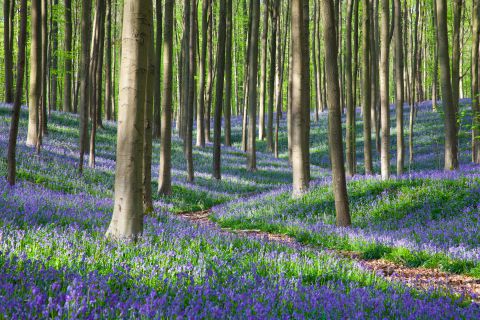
(228,76)
(12,142)
(67,84)
(8,52)
(165,171)
(275,4)
(84,79)
(475,83)
(220,73)
(366,93)
(350,121)
(399,86)
(263,72)
(202,68)
(127,218)
(252,88)
(298,121)
(35,75)
(384,90)
(334,117)
(158,71)
(451,134)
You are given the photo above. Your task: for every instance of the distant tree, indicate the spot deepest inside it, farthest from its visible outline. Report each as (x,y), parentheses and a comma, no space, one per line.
(366,93)
(158,69)
(67,84)
(35,75)
(263,72)
(165,173)
(228,76)
(202,75)
(399,85)
(252,88)
(12,142)
(475,83)
(127,218)
(350,125)
(220,72)
(7,50)
(84,78)
(384,89)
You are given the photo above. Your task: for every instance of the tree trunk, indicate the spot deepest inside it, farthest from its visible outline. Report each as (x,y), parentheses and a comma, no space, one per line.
(475,83)
(252,88)
(399,89)
(208,109)
(190,102)
(366,96)
(84,79)
(8,52)
(384,90)
(54,58)
(12,142)
(108,65)
(350,130)
(334,116)
(67,85)
(35,86)
(273,62)
(263,73)
(45,69)
(298,121)
(148,118)
(158,70)
(228,75)
(165,172)
(456,52)
(203,64)
(451,136)
(222,24)
(127,219)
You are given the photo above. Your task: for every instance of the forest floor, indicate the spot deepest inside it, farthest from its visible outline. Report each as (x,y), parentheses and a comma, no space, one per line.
(241,247)
(417,277)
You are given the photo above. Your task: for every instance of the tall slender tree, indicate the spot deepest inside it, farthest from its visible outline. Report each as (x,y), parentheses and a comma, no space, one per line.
(298,121)
(451,135)
(202,68)
(334,116)
(228,76)
(263,72)
(350,125)
(475,83)
(8,52)
(165,172)
(158,70)
(35,75)
(399,85)
(384,90)
(67,84)
(252,88)
(12,142)
(366,93)
(127,218)
(84,79)
(220,72)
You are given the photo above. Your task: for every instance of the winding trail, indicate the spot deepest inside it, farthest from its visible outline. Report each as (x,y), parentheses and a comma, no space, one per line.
(419,278)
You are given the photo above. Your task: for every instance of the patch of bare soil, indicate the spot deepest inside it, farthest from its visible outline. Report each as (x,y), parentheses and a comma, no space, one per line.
(420,278)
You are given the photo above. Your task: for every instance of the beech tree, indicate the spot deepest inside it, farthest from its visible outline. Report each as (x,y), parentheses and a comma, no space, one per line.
(165,171)
(334,115)
(127,218)
(449,106)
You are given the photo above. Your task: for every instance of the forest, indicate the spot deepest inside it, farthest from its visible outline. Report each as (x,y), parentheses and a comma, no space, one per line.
(247,159)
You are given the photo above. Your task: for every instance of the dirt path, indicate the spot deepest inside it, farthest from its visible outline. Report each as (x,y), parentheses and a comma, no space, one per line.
(421,278)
